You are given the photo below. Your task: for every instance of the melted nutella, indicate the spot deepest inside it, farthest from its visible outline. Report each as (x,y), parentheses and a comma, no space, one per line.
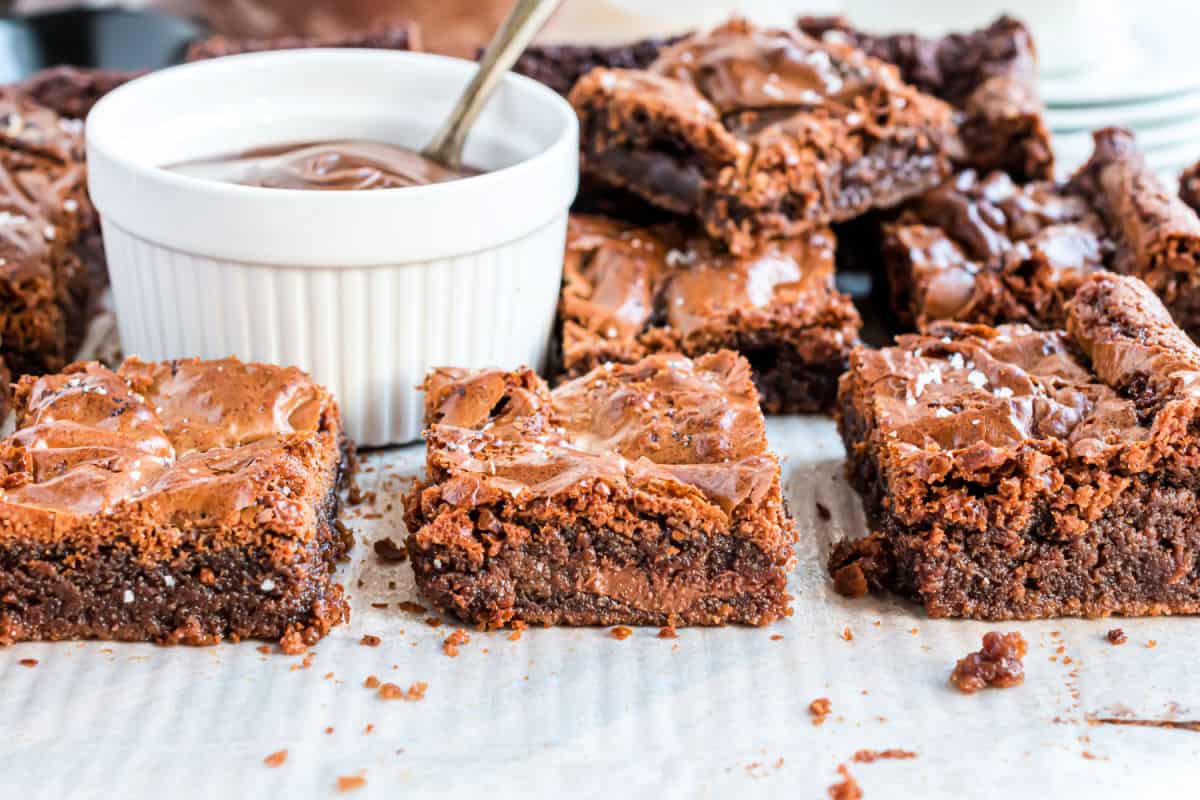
(350,165)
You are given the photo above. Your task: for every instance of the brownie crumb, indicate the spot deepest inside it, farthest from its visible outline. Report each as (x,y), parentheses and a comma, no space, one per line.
(871,756)
(1171,724)
(329,730)
(411,607)
(276,759)
(305,662)
(433,622)
(350,783)
(621,632)
(997,665)
(850,581)
(265,649)
(370,727)
(667,633)
(387,550)
(776,637)
(454,640)
(820,710)
(1152,643)
(390,691)
(379,605)
(848,634)
(370,640)
(28,662)
(847,788)
(823,512)
(371,682)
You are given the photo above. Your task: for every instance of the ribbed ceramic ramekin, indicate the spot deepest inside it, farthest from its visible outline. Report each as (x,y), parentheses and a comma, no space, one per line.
(366,290)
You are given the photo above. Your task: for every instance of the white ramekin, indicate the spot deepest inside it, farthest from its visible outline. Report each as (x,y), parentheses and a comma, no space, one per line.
(365,290)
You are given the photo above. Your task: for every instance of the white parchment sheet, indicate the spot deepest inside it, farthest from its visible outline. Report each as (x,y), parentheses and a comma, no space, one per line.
(580,714)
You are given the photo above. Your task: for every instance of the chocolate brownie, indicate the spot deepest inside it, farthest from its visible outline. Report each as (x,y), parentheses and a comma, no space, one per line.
(638,494)
(629,292)
(178,502)
(45,215)
(1013,473)
(72,91)
(1189,187)
(762,132)
(392,36)
(987,250)
(1157,236)
(989,74)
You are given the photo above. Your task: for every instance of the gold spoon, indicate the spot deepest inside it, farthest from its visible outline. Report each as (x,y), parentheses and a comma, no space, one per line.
(516,32)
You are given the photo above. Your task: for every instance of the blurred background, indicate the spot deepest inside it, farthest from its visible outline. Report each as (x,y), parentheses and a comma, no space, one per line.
(1103,62)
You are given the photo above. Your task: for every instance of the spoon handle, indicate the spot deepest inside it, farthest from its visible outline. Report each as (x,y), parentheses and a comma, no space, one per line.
(520,26)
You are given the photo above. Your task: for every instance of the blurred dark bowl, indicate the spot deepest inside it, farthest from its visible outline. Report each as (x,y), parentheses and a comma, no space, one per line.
(109,38)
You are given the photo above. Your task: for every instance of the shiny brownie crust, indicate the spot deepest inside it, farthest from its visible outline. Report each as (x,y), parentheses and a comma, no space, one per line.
(641,494)
(183,502)
(629,292)
(1011,473)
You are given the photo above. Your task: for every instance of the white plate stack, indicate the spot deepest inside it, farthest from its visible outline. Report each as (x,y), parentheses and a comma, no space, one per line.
(1148,80)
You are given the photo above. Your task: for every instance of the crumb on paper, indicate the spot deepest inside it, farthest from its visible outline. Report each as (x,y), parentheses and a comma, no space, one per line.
(265,649)
(871,756)
(329,730)
(847,788)
(820,710)
(850,581)
(370,727)
(305,662)
(823,512)
(28,662)
(1117,636)
(518,628)
(456,639)
(411,607)
(370,640)
(350,783)
(776,637)
(276,759)
(387,550)
(997,665)
(621,632)
(847,634)
(433,622)
(371,682)
(415,692)
(668,632)
(1153,643)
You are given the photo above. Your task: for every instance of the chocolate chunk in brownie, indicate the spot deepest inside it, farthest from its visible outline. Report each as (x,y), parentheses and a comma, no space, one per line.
(988,250)
(176,502)
(638,494)
(629,292)
(390,36)
(1013,473)
(762,132)
(989,74)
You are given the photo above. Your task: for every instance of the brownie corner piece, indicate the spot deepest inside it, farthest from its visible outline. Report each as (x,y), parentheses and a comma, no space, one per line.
(640,494)
(630,291)
(176,502)
(1011,473)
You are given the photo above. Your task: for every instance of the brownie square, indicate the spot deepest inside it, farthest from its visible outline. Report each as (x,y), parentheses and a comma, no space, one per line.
(989,75)
(639,494)
(45,219)
(1011,473)
(178,502)
(988,250)
(761,132)
(390,36)
(629,292)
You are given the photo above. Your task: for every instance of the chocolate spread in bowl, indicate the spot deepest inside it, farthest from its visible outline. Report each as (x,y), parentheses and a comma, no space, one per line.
(350,165)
